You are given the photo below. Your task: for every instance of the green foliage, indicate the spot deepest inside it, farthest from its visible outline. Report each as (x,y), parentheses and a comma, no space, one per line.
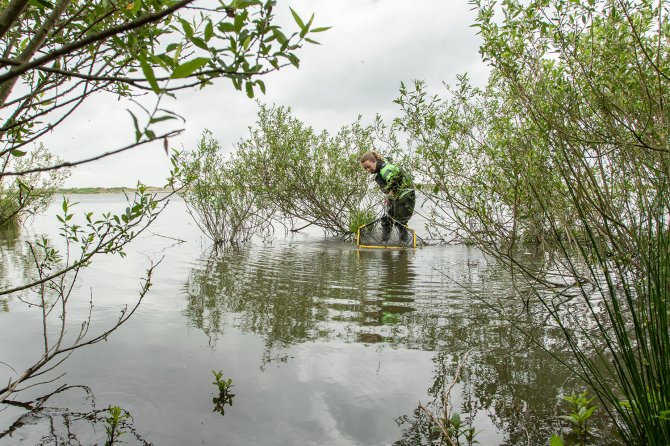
(556,440)
(31,193)
(481,164)
(56,55)
(64,51)
(57,266)
(567,147)
(308,176)
(224,397)
(224,385)
(113,424)
(217,196)
(360,218)
(458,433)
(580,414)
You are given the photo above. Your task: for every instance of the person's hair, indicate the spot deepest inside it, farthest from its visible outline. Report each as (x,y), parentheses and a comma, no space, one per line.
(371,156)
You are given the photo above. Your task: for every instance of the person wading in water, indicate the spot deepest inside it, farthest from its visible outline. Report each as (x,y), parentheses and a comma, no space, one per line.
(398,189)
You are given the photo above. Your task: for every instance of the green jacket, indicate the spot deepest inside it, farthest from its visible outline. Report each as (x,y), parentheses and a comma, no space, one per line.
(395,183)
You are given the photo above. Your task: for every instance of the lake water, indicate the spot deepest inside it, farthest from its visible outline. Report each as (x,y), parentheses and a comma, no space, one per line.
(325,344)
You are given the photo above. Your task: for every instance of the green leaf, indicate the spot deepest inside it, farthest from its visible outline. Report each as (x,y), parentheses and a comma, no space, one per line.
(312,41)
(197,41)
(149,73)
(23,186)
(250,89)
(297,19)
(209,31)
(138,134)
(44,3)
(320,30)
(187,68)
(555,440)
(17,153)
(238,23)
(281,38)
(294,60)
(247,42)
(188,29)
(161,118)
(226,27)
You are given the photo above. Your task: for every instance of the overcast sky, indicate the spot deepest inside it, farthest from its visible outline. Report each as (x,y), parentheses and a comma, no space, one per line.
(373,46)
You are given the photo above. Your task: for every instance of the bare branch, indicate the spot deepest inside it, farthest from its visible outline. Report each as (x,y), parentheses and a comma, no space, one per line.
(10,14)
(95,158)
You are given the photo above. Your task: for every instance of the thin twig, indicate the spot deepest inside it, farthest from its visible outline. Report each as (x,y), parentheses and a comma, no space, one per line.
(95,158)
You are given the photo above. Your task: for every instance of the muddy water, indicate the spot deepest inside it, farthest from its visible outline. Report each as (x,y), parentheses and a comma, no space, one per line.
(324,344)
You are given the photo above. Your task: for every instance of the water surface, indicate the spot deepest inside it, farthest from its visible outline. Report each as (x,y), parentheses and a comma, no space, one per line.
(324,343)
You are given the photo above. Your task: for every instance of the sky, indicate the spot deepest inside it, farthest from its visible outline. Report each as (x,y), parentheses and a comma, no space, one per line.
(373,45)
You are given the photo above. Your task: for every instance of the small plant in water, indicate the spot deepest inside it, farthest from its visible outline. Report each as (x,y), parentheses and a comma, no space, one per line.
(225,397)
(556,440)
(359,218)
(457,433)
(582,410)
(113,423)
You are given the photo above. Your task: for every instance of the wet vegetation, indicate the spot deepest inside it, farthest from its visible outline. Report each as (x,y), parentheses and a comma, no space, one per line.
(556,169)
(284,174)
(565,151)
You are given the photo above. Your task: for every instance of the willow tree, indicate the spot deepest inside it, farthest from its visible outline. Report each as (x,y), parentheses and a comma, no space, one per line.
(309,177)
(572,133)
(218,197)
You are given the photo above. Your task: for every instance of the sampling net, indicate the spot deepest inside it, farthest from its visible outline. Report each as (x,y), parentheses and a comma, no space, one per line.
(373,235)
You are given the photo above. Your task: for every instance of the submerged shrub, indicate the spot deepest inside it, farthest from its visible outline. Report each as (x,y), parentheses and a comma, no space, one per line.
(217,197)
(567,148)
(312,178)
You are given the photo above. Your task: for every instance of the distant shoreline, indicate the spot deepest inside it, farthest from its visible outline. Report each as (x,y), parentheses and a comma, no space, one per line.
(106,190)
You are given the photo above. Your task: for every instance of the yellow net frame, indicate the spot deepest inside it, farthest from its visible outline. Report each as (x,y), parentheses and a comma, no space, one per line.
(384,245)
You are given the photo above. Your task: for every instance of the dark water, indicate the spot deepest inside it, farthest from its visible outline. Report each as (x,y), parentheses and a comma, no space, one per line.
(324,344)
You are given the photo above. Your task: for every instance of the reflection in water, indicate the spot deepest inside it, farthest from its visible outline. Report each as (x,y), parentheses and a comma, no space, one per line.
(15,260)
(315,307)
(293,294)
(43,422)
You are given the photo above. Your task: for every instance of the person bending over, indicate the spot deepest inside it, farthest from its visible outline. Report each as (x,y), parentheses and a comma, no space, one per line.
(398,189)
